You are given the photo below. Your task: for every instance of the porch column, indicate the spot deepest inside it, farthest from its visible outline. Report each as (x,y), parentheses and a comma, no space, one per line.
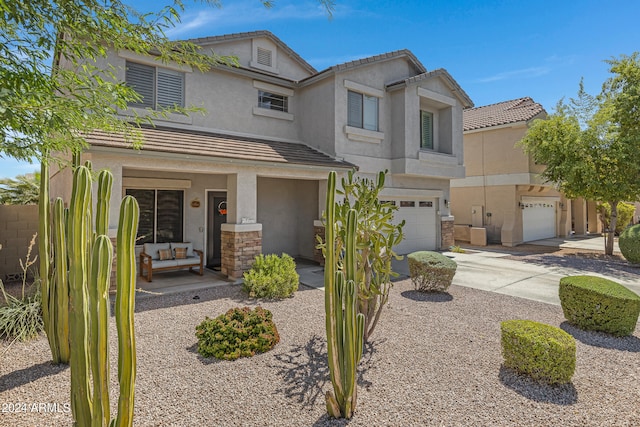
(241,235)
(318,227)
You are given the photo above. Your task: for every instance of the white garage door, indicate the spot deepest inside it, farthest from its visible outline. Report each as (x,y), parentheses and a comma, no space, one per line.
(538,219)
(420,226)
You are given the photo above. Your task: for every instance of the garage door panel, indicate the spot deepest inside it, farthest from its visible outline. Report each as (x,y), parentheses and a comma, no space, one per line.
(538,221)
(419,230)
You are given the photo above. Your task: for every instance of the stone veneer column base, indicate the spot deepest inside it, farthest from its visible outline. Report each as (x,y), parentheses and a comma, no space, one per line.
(318,230)
(447,232)
(240,245)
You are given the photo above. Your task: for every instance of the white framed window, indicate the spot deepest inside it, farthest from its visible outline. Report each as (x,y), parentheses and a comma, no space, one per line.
(362,111)
(159,88)
(426,130)
(161,215)
(273,101)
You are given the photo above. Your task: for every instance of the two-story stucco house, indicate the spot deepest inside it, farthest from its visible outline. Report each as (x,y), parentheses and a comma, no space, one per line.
(249,176)
(502,191)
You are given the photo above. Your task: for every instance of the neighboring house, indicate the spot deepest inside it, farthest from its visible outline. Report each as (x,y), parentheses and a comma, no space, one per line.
(249,176)
(502,190)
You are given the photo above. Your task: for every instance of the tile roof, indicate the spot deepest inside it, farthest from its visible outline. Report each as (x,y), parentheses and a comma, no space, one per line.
(442,73)
(502,113)
(220,146)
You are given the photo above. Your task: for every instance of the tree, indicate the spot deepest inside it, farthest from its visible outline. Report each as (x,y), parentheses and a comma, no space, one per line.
(590,146)
(21,190)
(44,107)
(376,234)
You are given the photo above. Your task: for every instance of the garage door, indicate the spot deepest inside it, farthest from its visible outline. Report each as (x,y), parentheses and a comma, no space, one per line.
(420,226)
(538,219)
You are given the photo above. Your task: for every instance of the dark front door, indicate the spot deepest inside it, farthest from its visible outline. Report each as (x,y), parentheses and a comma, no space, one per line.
(216,216)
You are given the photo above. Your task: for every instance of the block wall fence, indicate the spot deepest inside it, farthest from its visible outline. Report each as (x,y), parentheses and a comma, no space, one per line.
(18,224)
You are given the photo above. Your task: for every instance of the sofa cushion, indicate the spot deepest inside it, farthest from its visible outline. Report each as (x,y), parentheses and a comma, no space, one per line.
(180,253)
(152,249)
(188,261)
(165,264)
(165,254)
(187,245)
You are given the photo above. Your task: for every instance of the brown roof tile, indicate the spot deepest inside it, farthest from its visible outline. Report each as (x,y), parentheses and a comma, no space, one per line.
(220,146)
(502,113)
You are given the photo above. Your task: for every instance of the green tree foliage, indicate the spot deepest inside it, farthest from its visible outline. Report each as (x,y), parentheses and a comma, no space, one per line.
(45,107)
(376,234)
(21,190)
(625,215)
(589,146)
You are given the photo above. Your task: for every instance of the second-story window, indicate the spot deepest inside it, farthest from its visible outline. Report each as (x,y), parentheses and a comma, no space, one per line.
(362,111)
(159,87)
(273,101)
(426,130)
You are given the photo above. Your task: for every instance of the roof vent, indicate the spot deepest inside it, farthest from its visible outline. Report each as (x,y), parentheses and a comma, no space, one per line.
(264,57)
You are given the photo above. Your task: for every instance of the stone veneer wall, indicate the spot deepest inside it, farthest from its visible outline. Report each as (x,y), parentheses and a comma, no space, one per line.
(447,232)
(239,249)
(318,230)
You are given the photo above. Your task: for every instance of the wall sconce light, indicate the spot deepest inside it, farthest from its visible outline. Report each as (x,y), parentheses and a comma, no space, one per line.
(561,205)
(447,203)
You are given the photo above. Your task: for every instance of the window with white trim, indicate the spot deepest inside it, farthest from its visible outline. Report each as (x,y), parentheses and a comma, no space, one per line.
(426,130)
(362,111)
(159,88)
(161,215)
(273,101)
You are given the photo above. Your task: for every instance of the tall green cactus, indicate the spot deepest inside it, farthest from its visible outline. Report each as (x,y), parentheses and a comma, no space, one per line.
(345,328)
(84,313)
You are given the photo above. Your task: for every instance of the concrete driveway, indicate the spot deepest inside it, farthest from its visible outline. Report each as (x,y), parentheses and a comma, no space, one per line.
(496,270)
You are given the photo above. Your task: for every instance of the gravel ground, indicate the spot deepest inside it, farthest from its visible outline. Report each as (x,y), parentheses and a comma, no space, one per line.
(434,361)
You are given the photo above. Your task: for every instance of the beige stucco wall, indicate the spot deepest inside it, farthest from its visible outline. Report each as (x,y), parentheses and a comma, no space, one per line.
(18,224)
(287,209)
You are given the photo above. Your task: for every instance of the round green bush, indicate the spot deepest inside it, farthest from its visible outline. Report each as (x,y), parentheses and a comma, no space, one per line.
(598,304)
(431,271)
(543,352)
(271,276)
(629,242)
(240,332)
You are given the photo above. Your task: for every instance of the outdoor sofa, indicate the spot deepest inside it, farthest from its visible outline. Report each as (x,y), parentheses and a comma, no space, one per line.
(169,256)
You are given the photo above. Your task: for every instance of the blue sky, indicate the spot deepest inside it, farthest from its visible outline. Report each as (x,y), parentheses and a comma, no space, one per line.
(496,50)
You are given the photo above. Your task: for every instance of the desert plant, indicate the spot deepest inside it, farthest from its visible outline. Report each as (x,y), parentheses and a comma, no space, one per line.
(543,352)
(345,328)
(598,304)
(457,249)
(629,243)
(625,215)
(240,332)
(376,235)
(271,276)
(431,271)
(82,294)
(20,315)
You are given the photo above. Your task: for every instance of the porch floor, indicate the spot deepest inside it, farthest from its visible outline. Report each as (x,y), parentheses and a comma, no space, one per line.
(181,280)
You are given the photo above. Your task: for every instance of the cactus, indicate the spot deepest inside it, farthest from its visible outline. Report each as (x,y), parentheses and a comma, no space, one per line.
(83,313)
(125,300)
(345,328)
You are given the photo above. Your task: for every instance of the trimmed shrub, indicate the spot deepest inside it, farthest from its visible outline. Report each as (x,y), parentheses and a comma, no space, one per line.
(240,332)
(543,352)
(271,276)
(598,304)
(629,243)
(431,271)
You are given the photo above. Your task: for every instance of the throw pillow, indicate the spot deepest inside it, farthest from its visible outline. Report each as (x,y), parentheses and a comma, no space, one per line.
(181,253)
(165,254)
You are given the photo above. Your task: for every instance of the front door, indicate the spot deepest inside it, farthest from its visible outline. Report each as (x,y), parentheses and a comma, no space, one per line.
(216,216)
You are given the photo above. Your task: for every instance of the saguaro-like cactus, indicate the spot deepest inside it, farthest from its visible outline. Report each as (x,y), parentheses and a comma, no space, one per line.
(85,311)
(344,327)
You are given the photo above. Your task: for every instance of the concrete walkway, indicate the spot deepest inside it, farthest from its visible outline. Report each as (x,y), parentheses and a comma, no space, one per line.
(490,270)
